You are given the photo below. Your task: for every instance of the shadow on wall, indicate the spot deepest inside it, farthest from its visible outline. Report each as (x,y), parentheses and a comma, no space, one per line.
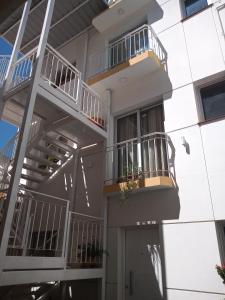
(147,207)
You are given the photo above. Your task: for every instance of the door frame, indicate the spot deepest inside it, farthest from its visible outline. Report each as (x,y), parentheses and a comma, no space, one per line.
(121,255)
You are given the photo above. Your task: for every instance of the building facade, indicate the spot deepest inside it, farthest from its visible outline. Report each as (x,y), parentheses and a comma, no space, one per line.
(115,176)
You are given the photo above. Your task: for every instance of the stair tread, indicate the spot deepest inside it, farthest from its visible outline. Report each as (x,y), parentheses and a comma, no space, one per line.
(31,178)
(36,169)
(59,144)
(50,152)
(41,160)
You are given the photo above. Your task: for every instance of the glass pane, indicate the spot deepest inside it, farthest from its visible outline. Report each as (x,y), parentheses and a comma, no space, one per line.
(193,6)
(213,100)
(127,128)
(152,120)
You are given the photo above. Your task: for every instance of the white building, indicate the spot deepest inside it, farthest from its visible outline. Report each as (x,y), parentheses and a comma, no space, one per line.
(115,188)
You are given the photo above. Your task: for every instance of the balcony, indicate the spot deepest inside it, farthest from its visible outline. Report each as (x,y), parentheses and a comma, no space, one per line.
(118,11)
(139,165)
(60,78)
(135,55)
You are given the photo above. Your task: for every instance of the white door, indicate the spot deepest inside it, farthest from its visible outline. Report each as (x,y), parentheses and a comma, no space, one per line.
(143,274)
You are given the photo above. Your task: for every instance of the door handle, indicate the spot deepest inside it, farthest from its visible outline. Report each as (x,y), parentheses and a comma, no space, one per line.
(131,283)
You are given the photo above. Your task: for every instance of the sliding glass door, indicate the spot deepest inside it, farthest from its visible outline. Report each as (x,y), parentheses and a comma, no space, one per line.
(141,144)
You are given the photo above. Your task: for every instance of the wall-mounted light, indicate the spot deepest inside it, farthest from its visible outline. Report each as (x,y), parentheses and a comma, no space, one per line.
(185,144)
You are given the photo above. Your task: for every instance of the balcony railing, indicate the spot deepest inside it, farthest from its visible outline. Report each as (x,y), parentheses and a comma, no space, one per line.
(38,226)
(61,75)
(130,45)
(43,226)
(138,159)
(93,106)
(85,247)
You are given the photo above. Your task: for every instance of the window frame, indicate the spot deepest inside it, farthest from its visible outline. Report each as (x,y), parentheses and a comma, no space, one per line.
(199,102)
(139,136)
(184,10)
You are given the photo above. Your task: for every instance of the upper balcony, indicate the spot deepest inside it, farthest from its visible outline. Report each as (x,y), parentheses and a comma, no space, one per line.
(136,54)
(118,11)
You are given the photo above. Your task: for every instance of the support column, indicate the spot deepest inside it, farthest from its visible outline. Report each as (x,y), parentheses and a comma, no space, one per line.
(108,174)
(16,49)
(25,128)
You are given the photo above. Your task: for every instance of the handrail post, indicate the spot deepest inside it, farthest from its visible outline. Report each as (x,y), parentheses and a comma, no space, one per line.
(66,232)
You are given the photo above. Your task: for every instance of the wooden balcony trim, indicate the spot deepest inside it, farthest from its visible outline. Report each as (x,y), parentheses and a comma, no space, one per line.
(149,54)
(159,182)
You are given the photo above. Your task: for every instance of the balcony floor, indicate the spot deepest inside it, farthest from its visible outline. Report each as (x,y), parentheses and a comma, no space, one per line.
(153,183)
(127,72)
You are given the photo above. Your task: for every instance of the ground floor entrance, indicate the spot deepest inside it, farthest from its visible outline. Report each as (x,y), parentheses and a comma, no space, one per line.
(143,271)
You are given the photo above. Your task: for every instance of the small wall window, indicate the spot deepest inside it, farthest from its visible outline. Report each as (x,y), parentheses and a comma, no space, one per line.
(193,6)
(213,100)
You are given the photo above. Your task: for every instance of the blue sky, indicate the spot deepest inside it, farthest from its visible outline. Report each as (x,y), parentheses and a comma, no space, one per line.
(7,130)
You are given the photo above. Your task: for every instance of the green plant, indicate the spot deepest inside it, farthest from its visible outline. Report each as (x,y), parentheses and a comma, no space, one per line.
(91,251)
(221,272)
(129,182)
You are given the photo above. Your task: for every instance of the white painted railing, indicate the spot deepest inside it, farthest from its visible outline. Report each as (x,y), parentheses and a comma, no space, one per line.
(61,74)
(93,106)
(128,46)
(39,225)
(85,241)
(4,62)
(138,159)
(22,69)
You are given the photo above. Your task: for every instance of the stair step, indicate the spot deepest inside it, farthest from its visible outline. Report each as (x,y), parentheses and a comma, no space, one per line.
(31,178)
(50,152)
(59,144)
(36,170)
(42,160)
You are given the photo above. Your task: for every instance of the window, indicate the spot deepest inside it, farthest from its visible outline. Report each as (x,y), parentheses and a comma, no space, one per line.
(213,100)
(193,6)
(141,144)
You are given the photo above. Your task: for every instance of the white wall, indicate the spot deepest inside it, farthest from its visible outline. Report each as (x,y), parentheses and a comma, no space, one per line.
(191,254)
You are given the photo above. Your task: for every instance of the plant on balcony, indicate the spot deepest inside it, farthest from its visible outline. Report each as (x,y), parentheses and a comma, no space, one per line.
(221,272)
(90,254)
(129,183)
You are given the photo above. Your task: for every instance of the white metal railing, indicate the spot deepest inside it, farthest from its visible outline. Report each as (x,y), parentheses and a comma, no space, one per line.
(61,74)
(39,225)
(4,62)
(85,241)
(128,46)
(138,159)
(93,106)
(22,69)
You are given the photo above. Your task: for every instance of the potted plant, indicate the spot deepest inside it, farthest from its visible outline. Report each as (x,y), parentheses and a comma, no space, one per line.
(91,255)
(221,272)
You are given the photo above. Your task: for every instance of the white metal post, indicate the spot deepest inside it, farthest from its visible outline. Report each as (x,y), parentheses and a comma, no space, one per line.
(16,49)
(72,192)
(104,248)
(110,139)
(23,138)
